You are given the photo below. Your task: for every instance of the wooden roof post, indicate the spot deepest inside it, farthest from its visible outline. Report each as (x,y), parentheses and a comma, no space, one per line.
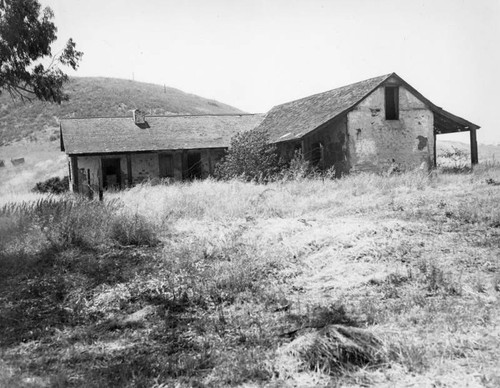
(473,147)
(434,162)
(101,190)
(74,173)
(129,170)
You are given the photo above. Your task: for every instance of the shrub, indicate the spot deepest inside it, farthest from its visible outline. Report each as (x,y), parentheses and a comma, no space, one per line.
(299,168)
(455,160)
(133,230)
(251,158)
(54,185)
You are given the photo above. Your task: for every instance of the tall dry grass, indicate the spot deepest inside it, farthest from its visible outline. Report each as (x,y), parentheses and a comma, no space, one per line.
(215,200)
(289,283)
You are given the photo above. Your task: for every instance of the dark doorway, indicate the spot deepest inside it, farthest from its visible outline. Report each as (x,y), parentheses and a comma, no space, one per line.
(194,165)
(166,166)
(111,174)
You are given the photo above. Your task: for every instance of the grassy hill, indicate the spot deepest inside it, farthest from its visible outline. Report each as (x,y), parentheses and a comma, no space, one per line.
(30,130)
(98,96)
(367,281)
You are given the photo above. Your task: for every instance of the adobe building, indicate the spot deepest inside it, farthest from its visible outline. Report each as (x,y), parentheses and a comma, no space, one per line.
(367,126)
(372,125)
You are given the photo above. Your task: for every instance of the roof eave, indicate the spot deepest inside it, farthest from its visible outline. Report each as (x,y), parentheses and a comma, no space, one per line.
(143,151)
(61,141)
(434,107)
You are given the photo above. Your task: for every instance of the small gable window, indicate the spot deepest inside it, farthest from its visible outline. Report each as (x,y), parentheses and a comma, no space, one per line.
(392,103)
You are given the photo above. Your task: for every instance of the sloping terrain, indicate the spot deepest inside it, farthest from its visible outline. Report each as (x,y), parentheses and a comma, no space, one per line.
(366,281)
(99,96)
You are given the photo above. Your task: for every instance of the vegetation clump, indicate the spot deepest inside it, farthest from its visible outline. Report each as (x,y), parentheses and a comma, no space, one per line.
(454,160)
(250,157)
(54,185)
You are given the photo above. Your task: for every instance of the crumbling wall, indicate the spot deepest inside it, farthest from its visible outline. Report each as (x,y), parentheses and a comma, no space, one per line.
(376,144)
(88,166)
(332,138)
(144,166)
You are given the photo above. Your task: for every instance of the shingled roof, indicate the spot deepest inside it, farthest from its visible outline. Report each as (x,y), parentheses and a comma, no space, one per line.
(121,134)
(294,119)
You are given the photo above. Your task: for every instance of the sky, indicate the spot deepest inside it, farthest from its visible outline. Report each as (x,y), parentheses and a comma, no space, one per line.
(257,54)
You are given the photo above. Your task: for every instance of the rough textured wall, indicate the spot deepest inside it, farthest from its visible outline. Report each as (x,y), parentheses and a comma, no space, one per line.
(376,144)
(287,149)
(144,166)
(89,167)
(88,164)
(334,141)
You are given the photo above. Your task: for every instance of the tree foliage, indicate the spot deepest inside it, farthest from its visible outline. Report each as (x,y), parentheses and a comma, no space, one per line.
(26,35)
(250,157)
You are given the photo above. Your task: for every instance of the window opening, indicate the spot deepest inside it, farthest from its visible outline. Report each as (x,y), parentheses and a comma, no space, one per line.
(392,103)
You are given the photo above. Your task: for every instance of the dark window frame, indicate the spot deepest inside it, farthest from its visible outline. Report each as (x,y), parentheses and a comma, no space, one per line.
(391,103)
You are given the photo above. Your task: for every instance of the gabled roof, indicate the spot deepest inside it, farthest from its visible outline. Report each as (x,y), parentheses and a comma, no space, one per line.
(294,119)
(120,134)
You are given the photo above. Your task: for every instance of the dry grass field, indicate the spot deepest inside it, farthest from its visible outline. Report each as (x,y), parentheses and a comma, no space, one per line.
(379,281)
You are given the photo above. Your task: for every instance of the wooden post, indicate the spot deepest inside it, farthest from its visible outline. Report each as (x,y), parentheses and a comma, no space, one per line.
(101,192)
(129,170)
(210,165)
(473,147)
(74,173)
(91,192)
(434,163)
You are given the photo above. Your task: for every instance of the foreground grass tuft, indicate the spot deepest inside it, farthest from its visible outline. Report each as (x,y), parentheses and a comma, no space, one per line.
(336,348)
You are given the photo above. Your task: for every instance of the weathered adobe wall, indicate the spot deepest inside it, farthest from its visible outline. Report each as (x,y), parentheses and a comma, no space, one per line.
(144,166)
(287,149)
(333,139)
(376,144)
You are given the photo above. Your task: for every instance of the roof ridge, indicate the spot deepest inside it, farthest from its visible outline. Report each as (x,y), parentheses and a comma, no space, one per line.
(179,115)
(382,77)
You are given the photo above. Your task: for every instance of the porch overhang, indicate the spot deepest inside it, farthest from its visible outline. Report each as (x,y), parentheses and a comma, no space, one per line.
(445,122)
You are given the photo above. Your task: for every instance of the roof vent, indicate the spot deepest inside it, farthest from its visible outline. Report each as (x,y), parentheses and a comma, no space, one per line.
(139,117)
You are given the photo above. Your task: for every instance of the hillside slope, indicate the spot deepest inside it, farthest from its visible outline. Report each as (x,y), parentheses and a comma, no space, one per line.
(99,96)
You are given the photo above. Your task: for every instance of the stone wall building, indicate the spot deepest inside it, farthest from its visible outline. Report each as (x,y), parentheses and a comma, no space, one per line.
(367,126)
(118,152)
(372,125)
